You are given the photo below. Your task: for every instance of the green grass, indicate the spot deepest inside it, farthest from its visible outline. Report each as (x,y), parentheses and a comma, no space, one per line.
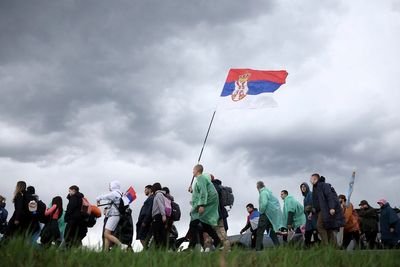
(18,253)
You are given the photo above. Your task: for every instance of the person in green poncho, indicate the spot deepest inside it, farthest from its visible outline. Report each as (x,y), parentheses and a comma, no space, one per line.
(204,213)
(270,215)
(293,213)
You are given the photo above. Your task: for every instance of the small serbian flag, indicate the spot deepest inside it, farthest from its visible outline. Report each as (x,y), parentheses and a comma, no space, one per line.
(130,195)
(247,88)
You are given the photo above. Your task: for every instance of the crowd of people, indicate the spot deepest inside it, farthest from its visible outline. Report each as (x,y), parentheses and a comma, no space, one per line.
(324,217)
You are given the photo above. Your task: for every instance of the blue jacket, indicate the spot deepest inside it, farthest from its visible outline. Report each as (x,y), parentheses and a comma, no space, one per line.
(146,211)
(389,219)
(325,199)
(308,205)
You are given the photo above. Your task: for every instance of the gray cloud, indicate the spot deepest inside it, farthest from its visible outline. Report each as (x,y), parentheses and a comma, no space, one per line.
(61,58)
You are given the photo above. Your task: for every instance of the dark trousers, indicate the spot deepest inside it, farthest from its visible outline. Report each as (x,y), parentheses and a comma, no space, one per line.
(308,235)
(370,237)
(253,238)
(196,228)
(265,224)
(347,237)
(159,231)
(74,233)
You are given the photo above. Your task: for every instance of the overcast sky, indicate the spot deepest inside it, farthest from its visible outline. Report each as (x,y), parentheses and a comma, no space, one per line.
(93,91)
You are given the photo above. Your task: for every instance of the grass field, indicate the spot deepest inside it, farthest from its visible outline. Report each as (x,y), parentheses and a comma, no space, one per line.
(17,253)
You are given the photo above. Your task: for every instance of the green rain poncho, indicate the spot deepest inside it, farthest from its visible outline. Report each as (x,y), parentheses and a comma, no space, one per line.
(204,194)
(292,205)
(269,205)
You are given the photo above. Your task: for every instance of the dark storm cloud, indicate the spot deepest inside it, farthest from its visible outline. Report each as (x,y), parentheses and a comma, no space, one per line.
(59,59)
(363,141)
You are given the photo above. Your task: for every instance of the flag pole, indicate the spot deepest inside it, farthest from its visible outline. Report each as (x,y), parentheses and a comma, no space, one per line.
(204,144)
(351,187)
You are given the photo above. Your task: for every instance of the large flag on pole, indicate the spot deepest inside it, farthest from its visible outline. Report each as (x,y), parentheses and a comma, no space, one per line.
(247,88)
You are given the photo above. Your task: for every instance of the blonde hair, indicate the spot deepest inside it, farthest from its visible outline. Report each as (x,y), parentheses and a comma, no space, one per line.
(19,188)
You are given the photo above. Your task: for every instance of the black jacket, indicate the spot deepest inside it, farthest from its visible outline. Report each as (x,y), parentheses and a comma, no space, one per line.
(145,211)
(325,199)
(368,219)
(389,219)
(222,212)
(20,211)
(73,212)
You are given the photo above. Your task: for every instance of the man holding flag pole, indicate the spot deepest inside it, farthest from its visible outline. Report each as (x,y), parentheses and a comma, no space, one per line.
(244,88)
(247,88)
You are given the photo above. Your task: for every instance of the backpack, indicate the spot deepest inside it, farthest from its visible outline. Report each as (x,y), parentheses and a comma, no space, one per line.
(86,209)
(121,207)
(227,197)
(36,208)
(168,207)
(175,212)
(90,221)
(124,230)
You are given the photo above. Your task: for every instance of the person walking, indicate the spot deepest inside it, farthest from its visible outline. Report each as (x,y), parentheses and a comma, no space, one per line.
(204,213)
(351,229)
(327,207)
(368,223)
(113,214)
(389,225)
(3,217)
(270,215)
(19,223)
(222,226)
(159,217)
(293,214)
(143,225)
(51,231)
(76,229)
(252,223)
(311,219)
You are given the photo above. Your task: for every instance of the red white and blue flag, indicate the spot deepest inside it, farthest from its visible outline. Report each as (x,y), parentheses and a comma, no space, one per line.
(248,88)
(129,196)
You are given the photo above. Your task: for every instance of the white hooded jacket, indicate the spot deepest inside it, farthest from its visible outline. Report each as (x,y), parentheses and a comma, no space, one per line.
(113,197)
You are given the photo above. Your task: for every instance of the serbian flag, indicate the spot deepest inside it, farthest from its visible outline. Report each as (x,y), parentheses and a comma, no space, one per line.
(247,88)
(129,196)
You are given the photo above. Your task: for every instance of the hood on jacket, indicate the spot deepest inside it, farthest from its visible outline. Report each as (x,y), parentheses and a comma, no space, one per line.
(115,186)
(385,205)
(307,190)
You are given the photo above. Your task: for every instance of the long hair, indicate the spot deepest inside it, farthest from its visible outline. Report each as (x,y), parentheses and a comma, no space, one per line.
(58,201)
(19,188)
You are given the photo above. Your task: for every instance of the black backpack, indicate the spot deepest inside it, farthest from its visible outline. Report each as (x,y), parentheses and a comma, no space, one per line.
(90,220)
(124,230)
(175,211)
(121,207)
(227,197)
(40,208)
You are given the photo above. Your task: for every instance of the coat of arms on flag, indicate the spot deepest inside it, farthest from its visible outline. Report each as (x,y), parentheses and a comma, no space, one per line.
(248,88)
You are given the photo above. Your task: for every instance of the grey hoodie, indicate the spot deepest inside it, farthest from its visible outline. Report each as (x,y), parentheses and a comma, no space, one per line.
(158,203)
